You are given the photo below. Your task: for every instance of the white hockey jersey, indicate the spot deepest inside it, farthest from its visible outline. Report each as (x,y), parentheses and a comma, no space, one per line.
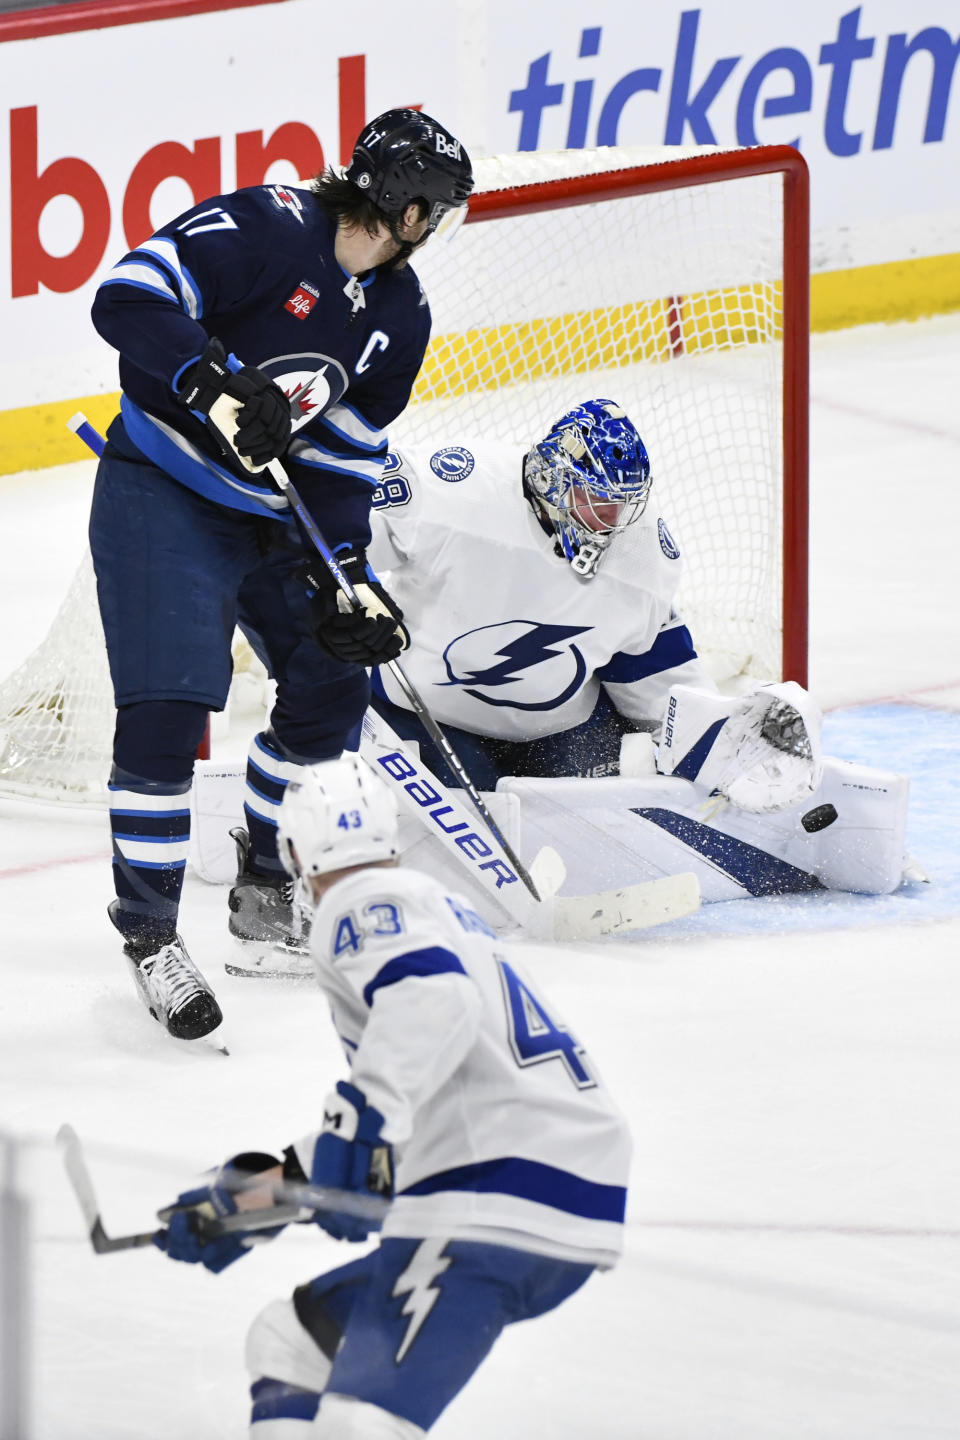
(507,640)
(502,1129)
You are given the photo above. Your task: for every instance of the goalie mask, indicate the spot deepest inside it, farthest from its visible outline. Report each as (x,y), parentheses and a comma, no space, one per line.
(336,814)
(588,480)
(403,156)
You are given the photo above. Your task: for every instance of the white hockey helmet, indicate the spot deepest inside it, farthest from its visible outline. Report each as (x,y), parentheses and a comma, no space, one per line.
(336,814)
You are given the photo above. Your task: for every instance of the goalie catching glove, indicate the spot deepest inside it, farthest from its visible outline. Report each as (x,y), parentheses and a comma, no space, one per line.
(373,634)
(248,415)
(760,751)
(190,1218)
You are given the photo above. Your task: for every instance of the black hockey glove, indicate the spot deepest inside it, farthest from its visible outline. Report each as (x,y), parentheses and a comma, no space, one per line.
(245,411)
(373,635)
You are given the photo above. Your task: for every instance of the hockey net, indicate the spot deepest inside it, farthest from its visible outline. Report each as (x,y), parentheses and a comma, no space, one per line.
(672,281)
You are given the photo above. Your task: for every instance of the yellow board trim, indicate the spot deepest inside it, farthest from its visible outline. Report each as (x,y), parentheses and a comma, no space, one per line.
(36,436)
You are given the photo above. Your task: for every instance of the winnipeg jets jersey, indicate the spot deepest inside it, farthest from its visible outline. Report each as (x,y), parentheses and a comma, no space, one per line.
(257,270)
(507,640)
(502,1128)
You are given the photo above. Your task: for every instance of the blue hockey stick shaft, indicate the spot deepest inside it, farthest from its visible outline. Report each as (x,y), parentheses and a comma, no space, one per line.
(82,428)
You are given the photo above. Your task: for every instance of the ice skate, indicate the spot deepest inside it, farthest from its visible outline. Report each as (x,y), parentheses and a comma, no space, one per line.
(267,919)
(173,990)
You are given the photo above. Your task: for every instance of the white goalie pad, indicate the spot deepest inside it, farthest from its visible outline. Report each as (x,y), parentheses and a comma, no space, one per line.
(761,751)
(216,807)
(848,835)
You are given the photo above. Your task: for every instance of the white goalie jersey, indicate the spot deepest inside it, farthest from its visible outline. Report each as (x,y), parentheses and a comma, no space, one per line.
(502,1129)
(506,640)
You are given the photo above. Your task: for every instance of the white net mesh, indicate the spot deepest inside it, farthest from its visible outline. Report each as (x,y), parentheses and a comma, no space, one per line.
(56,709)
(669,302)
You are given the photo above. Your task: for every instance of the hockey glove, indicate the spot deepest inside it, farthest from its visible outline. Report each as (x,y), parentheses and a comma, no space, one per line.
(372,635)
(761,751)
(350,1154)
(248,415)
(197,1212)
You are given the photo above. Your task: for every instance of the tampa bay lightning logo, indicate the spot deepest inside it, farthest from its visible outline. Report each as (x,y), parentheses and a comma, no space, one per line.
(668,545)
(453,463)
(499,657)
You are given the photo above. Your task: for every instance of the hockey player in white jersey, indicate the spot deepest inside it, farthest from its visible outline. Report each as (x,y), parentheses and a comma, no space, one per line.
(538,587)
(470,1105)
(539,591)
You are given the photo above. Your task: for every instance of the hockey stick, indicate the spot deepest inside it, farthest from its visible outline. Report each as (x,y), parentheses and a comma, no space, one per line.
(84,430)
(298,1198)
(556,917)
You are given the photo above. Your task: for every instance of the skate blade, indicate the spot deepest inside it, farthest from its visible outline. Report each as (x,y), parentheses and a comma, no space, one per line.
(270,962)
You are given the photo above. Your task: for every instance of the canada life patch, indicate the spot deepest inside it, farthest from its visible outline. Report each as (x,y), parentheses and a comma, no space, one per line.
(302,300)
(453,463)
(668,545)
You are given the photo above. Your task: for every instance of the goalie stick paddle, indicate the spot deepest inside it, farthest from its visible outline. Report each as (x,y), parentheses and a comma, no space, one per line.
(556,917)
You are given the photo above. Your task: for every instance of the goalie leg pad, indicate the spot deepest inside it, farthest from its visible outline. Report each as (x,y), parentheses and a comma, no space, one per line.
(848,835)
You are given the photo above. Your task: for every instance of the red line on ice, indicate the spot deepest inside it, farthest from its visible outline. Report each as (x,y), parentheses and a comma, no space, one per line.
(38,865)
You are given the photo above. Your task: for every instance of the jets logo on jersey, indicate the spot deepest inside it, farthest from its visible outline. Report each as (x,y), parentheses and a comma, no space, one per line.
(453,463)
(498,664)
(286,199)
(327,382)
(668,545)
(302,300)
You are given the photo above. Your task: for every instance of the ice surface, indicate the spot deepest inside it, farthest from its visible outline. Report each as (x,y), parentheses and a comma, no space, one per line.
(793,1251)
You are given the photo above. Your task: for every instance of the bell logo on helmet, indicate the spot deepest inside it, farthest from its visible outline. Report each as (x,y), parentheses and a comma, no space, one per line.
(446,145)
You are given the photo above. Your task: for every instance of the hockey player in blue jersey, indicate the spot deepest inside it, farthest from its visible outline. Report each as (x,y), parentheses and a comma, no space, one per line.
(226,311)
(470,1106)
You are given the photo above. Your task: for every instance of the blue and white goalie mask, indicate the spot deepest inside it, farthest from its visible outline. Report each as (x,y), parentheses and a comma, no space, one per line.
(336,814)
(588,479)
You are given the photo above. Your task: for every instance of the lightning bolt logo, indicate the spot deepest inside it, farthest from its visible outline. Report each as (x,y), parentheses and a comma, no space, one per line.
(416,1283)
(527,644)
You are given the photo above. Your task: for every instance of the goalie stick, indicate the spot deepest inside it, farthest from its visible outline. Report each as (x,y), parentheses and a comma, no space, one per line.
(298,1198)
(547,916)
